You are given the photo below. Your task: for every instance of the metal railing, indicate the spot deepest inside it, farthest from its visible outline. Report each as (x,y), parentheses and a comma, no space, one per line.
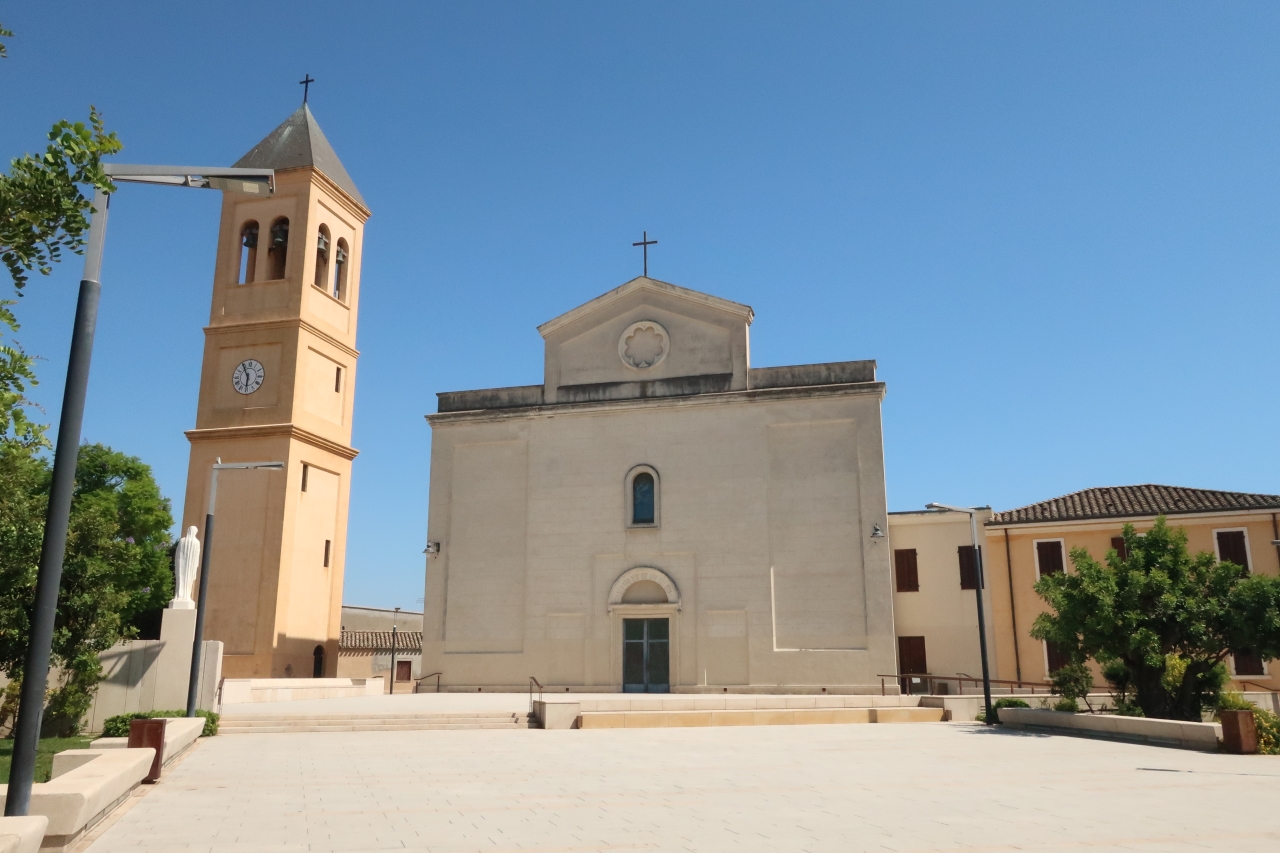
(418,681)
(930,680)
(532,682)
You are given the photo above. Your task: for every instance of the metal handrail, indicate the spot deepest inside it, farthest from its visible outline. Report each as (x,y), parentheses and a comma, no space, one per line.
(930,678)
(418,681)
(1254,684)
(533,681)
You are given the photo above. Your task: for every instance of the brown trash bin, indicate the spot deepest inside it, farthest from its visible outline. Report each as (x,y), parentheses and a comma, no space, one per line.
(144,733)
(1239,732)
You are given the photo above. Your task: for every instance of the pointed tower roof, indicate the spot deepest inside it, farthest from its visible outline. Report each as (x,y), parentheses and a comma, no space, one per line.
(299,142)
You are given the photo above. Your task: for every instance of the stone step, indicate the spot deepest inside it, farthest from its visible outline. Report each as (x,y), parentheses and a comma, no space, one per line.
(770,717)
(366,727)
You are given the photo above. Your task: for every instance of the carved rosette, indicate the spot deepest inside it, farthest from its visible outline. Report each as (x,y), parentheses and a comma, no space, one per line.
(644,345)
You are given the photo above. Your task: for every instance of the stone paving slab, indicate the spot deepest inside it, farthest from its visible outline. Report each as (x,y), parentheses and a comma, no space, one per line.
(930,787)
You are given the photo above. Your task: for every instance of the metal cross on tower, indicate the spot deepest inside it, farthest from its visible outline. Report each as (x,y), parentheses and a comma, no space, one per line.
(305,83)
(645,242)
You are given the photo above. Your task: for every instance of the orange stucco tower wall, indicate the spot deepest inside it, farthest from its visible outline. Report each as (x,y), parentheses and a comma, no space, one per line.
(278,384)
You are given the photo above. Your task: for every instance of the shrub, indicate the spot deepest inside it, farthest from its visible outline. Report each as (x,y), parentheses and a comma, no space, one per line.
(1068,705)
(1007,702)
(118,726)
(1267,723)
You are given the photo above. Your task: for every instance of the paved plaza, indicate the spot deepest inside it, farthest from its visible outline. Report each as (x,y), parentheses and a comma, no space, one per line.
(917,787)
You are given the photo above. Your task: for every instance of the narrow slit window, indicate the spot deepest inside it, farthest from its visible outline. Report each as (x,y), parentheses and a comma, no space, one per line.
(642,499)
(337,380)
(278,251)
(322,258)
(327,544)
(248,252)
(340,257)
(306,469)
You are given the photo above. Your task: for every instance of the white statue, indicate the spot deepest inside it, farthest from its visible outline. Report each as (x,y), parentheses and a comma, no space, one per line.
(186,562)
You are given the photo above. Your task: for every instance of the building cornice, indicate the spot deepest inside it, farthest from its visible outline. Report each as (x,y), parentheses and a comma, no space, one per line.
(287,323)
(272,431)
(856,389)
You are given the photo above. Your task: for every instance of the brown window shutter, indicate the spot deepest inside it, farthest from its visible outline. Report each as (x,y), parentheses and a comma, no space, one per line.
(1231,548)
(1247,663)
(1057,657)
(911,657)
(1117,542)
(968,567)
(906,570)
(1050,556)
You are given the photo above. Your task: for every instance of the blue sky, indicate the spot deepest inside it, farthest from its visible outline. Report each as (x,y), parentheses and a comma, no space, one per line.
(1054,226)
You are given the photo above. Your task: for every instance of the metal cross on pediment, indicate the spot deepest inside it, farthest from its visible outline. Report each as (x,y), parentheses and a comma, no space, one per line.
(645,243)
(305,83)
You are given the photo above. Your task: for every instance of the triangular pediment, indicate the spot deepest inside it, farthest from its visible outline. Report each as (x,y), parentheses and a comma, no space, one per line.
(607,302)
(646,338)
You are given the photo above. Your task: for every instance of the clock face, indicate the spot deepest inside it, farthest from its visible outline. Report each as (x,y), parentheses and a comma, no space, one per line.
(248,376)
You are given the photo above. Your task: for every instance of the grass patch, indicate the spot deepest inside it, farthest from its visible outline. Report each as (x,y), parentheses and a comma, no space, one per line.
(44,754)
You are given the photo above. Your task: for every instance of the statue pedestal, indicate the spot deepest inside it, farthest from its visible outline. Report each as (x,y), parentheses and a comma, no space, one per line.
(173,667)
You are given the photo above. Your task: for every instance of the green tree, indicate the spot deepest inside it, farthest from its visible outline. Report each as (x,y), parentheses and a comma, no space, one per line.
(1160,620)
(42,210)
(117,567)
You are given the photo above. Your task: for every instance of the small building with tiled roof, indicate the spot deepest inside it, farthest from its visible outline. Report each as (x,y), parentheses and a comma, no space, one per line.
(1025,543)
(367,646)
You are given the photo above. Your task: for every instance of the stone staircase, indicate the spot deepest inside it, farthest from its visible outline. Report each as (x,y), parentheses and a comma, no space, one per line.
(385,722)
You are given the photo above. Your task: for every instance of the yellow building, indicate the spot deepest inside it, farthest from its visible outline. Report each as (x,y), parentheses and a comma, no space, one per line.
(1026,543)
(278,384)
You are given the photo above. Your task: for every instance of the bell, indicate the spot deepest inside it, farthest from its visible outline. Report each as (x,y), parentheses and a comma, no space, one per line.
(251,237)
(342,255)
(280,234)
(322,243)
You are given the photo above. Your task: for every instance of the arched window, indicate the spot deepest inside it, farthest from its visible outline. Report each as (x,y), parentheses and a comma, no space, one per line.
(340,271)
(278,251)
(322,258)
(317,666)
(642,497)
(248,251)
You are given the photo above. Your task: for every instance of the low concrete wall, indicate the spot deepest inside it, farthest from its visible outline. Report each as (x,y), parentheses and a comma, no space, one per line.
(180,734)
(78,799)
(1202,736)
(556,715)
(237,691)
(22,834)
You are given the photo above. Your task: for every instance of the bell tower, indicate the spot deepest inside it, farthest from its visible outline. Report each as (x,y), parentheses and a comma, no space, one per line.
(278,385)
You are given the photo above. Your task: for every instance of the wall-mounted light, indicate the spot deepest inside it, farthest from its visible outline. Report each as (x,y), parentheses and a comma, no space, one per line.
(432,548)
(876,532)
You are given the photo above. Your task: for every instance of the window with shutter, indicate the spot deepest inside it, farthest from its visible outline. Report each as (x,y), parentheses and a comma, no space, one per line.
(906,570)
(1049,557)
(1247,663)
(1057,657)
(968,567)
(1232,547)
(1117,543)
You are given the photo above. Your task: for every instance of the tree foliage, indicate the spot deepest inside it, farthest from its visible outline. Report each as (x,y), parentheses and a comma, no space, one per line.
(117,566)
(42,210)
(1160,621)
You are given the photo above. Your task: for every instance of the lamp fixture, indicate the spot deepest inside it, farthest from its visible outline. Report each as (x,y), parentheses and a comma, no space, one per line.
(876,532)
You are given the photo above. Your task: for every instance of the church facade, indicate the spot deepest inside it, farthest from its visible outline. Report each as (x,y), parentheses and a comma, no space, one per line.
(658,515)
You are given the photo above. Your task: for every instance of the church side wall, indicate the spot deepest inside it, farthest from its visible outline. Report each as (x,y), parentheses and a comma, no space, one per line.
(766,506)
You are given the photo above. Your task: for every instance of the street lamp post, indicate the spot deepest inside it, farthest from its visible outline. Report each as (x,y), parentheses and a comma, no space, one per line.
(197,647)
(394,619)
(981,585)
(35,672)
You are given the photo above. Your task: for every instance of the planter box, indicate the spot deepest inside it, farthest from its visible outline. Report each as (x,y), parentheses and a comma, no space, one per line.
(557,715)
(1201,736)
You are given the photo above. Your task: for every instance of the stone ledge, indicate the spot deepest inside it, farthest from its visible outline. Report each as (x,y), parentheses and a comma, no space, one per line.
(756,717)
(22,834)
(81,797)
(180,734)
(1175,733)
(236,691)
